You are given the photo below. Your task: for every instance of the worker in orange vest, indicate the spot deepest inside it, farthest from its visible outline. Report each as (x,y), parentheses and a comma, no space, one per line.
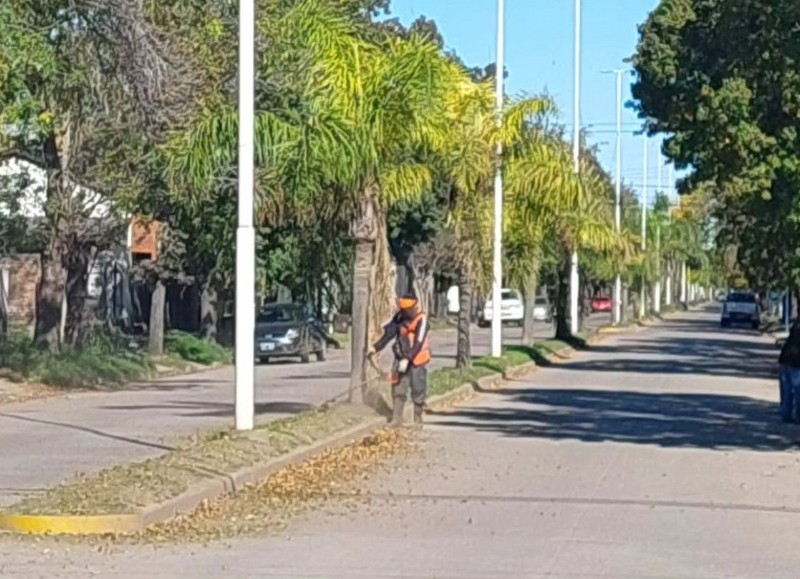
(408,328)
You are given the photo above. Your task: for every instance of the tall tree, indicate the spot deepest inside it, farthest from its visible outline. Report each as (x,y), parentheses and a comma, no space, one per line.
(732,119)
(76,76)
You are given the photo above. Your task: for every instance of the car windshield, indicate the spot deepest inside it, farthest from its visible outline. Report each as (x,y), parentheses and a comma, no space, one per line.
(277,314)
(510,295)
(742,298)
(541,301)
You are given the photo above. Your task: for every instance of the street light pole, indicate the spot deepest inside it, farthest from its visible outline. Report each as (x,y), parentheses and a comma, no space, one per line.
(497,277)
(617,315)
(643,297)
(574,279)
(245,234)
(657,285)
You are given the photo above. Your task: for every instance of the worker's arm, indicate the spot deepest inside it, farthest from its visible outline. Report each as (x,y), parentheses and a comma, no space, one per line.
(389,333)
(419,337)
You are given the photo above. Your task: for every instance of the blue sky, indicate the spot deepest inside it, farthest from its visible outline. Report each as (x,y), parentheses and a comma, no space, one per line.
(539,57)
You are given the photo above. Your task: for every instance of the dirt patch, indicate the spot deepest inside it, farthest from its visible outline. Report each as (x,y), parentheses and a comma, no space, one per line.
(13,392)
(126,488)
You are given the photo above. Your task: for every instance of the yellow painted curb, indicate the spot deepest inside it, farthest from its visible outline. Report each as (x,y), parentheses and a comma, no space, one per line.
(70,525)
(612,330)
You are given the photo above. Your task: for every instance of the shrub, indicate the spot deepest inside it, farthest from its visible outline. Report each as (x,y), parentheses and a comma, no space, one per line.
(194,349)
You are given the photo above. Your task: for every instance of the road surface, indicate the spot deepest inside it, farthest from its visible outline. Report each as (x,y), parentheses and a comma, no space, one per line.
(47,441)
(656,455)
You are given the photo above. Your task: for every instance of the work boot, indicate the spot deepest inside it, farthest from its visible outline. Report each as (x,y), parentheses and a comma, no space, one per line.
(419,414)
(397,411)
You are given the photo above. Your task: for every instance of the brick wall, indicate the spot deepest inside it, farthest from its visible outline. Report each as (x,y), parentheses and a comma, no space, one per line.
(23,276)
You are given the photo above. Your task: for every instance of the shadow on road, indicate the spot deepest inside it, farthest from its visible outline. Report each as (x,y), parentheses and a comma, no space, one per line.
(726,357)
(191,409)
(87,430)
(668,420)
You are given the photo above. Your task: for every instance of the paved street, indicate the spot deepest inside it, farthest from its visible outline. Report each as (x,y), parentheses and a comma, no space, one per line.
(47,441)
(655,455)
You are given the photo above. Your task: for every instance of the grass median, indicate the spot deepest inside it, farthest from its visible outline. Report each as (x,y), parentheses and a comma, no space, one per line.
(108,361)
(446,379)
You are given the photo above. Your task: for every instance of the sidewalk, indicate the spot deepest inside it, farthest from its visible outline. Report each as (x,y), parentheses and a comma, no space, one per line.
(47,441)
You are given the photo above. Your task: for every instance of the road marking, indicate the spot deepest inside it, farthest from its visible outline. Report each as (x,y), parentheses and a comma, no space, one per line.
(585,501)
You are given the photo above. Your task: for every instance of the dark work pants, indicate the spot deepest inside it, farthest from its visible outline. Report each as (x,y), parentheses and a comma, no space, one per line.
(415,381)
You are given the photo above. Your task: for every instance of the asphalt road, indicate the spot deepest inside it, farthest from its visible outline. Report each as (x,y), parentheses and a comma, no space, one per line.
(656,455)
(47,441)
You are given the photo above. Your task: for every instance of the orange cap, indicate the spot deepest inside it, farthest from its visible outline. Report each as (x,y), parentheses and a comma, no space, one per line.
(406,303)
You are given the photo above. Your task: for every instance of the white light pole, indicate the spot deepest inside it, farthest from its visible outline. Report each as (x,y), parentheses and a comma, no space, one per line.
(643,297)
(574,279)
(497,281)
(617,315)
(684,281)
(657,285)
(245,234)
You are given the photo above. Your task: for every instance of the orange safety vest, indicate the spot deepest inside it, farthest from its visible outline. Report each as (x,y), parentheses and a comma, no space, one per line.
(409,333)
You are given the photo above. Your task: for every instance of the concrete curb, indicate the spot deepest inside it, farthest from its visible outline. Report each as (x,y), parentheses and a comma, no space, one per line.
(220,485)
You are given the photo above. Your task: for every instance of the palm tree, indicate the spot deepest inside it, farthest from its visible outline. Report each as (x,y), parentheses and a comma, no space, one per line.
(364,118)
(470,159)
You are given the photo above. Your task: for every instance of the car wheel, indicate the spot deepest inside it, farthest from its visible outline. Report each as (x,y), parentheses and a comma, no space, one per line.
(322,352)
(724,324)
(263,360)
(756,325)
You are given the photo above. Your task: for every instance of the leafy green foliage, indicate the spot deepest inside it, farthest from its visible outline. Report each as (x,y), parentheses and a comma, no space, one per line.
(721,78)
(195,349)
(101,364)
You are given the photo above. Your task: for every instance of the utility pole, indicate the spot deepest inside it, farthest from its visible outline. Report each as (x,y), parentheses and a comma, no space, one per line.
(245,234)
(574,279)
(643,297)
(497,264)
(617,314)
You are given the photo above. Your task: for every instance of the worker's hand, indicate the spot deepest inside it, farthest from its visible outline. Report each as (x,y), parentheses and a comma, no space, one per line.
(371,352)
(402,366)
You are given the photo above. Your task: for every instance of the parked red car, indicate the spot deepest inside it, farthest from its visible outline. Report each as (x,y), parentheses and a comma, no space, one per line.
(601,304)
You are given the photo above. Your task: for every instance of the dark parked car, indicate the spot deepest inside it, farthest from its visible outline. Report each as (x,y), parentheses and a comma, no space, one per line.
(288,331)
(741,308)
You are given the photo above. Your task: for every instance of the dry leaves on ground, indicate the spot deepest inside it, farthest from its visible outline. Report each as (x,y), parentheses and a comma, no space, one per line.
(287,493)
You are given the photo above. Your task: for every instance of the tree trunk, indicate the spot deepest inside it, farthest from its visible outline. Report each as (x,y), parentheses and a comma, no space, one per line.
(623,318)
(409,284)
(382,298)
(373,294)
(3,303)
(209,311)
(528,326)
(562,302)
(157,307)
(50,294)
(463,343)
(80,319)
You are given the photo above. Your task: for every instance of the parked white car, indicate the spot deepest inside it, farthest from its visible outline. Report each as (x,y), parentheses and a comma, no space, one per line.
(512,309)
